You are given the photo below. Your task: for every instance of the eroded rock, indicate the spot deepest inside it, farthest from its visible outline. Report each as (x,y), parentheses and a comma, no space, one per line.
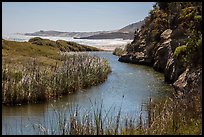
(160,56)
(190,81)
(166,34)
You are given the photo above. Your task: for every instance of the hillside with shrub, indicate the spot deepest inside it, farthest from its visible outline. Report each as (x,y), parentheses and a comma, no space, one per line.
(170,41)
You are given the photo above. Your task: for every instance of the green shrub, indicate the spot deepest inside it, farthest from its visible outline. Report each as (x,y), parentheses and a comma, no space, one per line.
(198,18)
(199,42)
(118,51)
(180,50)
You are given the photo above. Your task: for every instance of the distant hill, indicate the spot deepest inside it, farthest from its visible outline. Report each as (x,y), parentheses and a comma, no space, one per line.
(64,34)
(132,27)
(111,35)
(126,32)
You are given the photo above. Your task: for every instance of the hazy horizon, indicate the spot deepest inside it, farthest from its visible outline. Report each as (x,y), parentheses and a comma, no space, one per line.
(28,17)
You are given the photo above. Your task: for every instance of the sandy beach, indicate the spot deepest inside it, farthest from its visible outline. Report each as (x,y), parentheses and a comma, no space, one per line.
(110,47)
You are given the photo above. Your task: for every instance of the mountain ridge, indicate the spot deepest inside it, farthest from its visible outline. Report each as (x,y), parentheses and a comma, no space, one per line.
(126,32)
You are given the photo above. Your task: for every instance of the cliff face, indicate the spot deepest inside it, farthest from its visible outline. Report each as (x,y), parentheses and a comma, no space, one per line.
(171,42)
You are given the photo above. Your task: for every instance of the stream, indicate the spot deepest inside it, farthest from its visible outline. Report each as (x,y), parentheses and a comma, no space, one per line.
(128,87)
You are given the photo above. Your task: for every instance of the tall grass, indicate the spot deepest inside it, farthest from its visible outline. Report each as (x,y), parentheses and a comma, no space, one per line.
(175,115)
(31,82)
(72,121)
(169,116)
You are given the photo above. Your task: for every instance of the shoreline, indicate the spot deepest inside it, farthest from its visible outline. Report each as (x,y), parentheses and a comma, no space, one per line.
(111,48)
(109,45)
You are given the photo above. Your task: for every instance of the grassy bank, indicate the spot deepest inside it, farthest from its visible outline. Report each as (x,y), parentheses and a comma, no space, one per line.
(63,45)
(45,51)
(176,115)
(32,82)
(22,52)
(33,73)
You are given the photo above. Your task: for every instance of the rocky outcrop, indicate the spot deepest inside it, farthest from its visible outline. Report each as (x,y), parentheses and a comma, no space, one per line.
(171,42)
(137,52)
(161,57)
(162,60)
(136,58)
(190,81)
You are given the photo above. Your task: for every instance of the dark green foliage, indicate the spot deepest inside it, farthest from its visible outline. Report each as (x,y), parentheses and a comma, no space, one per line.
(163,5)
(198,18)
(194,49)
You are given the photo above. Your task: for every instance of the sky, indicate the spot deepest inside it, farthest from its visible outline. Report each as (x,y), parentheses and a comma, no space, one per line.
(23,17)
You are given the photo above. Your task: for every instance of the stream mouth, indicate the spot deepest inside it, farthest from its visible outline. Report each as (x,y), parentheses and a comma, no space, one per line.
(127,87)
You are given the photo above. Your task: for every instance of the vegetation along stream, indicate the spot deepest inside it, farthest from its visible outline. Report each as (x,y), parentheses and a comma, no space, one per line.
(127,88)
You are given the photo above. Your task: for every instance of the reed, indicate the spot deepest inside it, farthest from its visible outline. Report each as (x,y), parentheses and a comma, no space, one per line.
(169,116)
(33,83)
(175,115)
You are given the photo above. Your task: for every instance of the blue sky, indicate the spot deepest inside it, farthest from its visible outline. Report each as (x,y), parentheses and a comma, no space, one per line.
(21,17)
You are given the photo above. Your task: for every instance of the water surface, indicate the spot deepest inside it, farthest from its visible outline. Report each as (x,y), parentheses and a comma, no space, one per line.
(128,86)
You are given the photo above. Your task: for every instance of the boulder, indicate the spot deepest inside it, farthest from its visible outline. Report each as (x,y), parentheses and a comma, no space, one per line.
(136,58)
(166,34)
(125,58)
(190,81)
